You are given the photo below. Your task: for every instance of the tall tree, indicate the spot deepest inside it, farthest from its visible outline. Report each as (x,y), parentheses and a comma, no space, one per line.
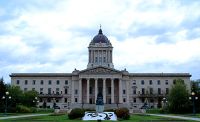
(2,93)
(178,97)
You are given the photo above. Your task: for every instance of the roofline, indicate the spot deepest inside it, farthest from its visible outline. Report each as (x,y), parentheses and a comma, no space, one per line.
(160,74)
(40,74)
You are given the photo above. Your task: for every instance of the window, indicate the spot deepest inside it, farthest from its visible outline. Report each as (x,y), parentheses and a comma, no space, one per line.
(150,82)
(134,82)
(57,82)
(66,82)
(57,90)
(26,82)
(104,59)
(124,100)
(142,82)
(167,90)
(151,90)
(18,81)
(100,59)
(96,59)
(159,90)
(124,91)
(66,91)
(49,90)
(134,100)
(143,91)
(76,100)
(90,90)
(49,82)
(41,90)
(33,82)
(33,89)
(76,91)
(25,89)
(151,100)
(134,91)
(158,82)
(57,100)
(48,99)
(166,82)
(41,82)
(143,100)
(65,100)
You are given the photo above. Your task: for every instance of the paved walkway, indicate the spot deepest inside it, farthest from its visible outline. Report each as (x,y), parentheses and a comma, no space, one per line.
(177,117)
(22,116)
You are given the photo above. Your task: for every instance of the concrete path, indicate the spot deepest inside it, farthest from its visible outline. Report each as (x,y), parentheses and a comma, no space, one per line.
(22,116)
(177,117)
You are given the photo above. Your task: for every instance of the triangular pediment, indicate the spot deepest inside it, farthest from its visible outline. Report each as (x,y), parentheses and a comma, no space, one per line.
(100,70)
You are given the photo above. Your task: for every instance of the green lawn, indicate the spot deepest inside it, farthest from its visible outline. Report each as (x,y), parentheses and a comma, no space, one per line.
(63,118)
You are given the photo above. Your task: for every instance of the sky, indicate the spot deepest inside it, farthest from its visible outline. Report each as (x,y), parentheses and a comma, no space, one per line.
(148,36)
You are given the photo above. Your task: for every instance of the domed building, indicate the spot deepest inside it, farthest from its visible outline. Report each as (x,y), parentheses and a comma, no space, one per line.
(80,88)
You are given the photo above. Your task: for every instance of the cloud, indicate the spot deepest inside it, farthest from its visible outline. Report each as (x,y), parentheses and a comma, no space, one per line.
(148,36)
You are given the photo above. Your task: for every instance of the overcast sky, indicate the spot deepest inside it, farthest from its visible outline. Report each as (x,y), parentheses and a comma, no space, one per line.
(53,35)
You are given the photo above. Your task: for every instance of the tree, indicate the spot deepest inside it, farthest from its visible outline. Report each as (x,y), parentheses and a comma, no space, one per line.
(2,93)
(178,97)
(29,97)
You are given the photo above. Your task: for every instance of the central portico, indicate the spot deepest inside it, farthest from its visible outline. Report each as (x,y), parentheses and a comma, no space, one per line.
(106,80)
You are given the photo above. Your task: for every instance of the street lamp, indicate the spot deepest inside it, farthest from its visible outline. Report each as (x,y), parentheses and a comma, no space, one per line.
(36,101)
(193,98)
(164,101)
(6,97)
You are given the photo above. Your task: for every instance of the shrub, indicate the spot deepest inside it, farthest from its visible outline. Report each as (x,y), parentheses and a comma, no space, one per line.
(122,113)
(76,113)
(22,109)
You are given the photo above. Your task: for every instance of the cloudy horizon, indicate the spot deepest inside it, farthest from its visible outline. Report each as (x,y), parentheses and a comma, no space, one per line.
(52,36)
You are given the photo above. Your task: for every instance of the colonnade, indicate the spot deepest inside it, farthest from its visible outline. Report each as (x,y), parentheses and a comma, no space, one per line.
(104,91)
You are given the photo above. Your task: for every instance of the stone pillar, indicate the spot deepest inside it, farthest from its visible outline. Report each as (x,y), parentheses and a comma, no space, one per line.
(112,91)
(127,91)
(120,91)
(80,91)
(104,90)
(96,89)
(72,92)
(88,90)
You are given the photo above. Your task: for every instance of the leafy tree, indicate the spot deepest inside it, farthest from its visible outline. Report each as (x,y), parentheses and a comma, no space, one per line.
(29,97)
(178,97)
(2,93)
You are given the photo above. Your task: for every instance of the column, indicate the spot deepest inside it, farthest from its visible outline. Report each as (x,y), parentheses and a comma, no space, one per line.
(80,91)
(108,56)
(120,91)
(96,89)
(104,90)
(72,92)
(112,91)
(88,88)
(127,91)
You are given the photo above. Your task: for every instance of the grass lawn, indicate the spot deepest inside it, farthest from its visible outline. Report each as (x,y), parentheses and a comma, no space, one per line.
(63,118)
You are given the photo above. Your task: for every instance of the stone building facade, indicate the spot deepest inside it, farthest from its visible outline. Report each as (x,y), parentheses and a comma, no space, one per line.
(80,88)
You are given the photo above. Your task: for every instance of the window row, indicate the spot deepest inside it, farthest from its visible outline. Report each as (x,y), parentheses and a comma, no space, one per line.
(151,91)
(33,82)
(150,82)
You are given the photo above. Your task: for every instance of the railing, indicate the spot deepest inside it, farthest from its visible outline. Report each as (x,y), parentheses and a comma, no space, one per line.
(151,95)
(51,95)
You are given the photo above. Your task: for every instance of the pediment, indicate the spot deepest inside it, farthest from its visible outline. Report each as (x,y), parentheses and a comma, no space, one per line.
(100,70)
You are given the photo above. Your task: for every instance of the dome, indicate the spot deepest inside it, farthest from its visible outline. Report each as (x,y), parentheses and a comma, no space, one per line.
(100,38)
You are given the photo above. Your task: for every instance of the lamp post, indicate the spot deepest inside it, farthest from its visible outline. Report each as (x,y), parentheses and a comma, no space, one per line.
(6,97)
(164,101)
(36,101)
(193,98)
